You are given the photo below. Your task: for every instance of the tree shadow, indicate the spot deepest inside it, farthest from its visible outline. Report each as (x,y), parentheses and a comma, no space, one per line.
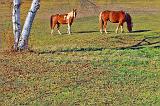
(141,31)
(81,32)
(142,43)
(156,46)
(67,50)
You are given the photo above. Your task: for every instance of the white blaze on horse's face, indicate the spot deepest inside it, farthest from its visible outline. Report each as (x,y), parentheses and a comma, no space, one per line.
(74,14)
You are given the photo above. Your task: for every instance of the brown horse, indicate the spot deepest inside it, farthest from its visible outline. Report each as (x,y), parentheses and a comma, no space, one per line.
(63,19)
(115,17)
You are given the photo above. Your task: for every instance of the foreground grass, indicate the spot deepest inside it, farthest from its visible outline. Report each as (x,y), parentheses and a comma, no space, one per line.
(117,77)
(85,68)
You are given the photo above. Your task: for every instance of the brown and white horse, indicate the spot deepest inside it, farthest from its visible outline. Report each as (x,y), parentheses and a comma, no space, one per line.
(63,19)
(115,17)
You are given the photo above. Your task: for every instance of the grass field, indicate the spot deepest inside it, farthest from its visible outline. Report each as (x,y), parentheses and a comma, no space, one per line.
(85,68)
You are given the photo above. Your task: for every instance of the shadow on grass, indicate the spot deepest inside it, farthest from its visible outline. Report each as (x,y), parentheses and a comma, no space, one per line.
(142,43)
(141,31)
(67,50)
(80,32)
(156,46)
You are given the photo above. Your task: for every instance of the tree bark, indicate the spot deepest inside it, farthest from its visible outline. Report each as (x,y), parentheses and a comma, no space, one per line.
(16,22)
(23,43)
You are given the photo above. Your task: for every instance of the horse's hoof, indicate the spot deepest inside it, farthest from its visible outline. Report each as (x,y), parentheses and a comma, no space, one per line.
(106,32)
(69,33)
(60,33)
(101,31)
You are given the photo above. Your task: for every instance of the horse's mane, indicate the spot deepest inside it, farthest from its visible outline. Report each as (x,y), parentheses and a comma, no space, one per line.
(129,21)
(128,17)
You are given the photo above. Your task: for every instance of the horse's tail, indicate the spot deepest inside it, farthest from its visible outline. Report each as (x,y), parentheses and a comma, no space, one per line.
(51,21)
(101,22)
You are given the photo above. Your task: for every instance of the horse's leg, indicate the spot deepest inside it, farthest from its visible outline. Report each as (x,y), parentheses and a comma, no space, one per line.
(58,25)
(101,30)
(122,28)
(117,28)
(101,23)
(69,28)
(52,29)
(105,27)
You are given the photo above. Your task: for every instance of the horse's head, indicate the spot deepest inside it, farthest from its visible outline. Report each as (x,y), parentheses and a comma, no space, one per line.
(74,13)
(129,22)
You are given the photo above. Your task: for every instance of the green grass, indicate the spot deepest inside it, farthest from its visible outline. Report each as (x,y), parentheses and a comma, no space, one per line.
(85,68)
(118,77)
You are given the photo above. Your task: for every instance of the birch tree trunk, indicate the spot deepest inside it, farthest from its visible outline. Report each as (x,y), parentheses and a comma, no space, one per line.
(23,43)
(16,22)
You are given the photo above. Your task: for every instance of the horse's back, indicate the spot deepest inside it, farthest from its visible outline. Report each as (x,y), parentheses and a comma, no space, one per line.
(117,16)
(105,14)
(54,17)
(59,18)
(113,16)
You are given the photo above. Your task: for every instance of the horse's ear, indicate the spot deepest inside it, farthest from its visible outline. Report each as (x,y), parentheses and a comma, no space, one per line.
(74,9)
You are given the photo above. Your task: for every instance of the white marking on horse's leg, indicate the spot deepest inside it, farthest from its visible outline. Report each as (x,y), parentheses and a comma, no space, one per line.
(106,31)
(69,29)
(105,27)
(122,29)
(101,30)
(51,31)
(59,32)
(117,29)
